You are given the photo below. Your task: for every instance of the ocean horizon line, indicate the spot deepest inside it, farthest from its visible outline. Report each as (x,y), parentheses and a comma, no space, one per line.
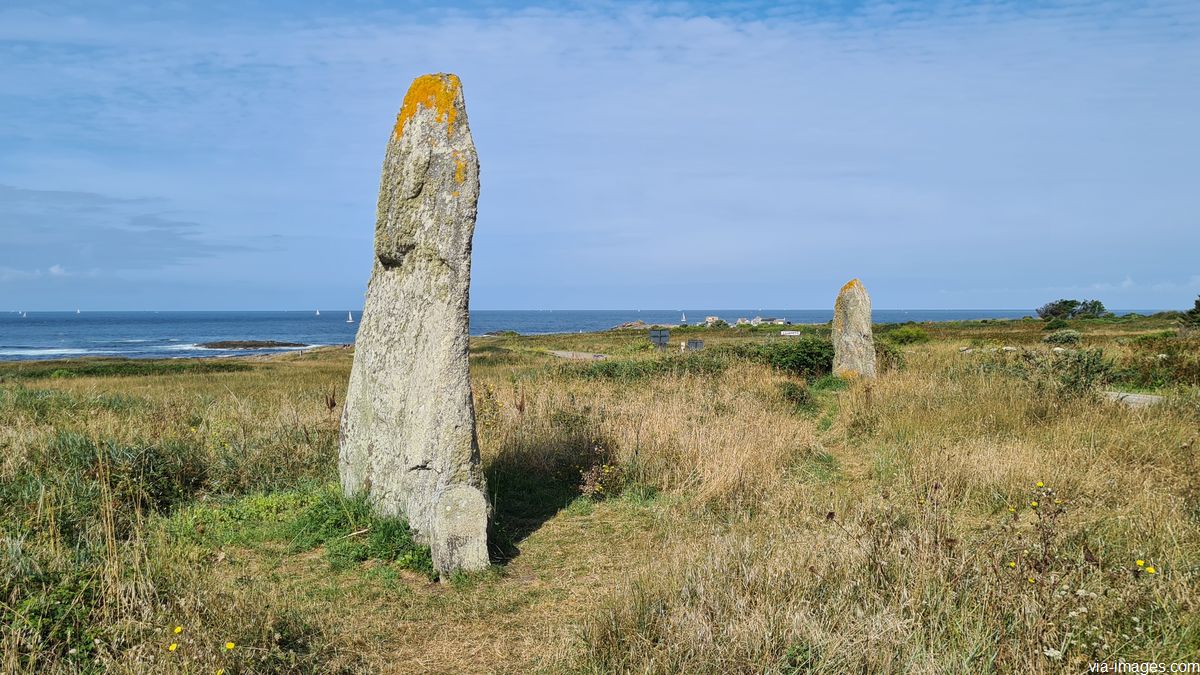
(73,310)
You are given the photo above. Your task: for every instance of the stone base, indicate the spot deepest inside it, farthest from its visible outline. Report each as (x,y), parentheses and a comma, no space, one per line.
(458,537)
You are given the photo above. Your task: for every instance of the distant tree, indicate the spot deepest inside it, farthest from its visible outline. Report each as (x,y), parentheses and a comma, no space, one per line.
(1073,309)
(1190,320)
(1090,309)
(1059,309)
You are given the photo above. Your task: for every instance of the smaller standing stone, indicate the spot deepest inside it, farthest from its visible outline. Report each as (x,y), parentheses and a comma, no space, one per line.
(457,541)
(853,342)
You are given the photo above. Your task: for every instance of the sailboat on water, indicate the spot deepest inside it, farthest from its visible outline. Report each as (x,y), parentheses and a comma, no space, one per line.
(318,312)
(349,317)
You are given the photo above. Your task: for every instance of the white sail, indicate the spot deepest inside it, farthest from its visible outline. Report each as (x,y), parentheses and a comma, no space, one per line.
(318,312)
(349,317)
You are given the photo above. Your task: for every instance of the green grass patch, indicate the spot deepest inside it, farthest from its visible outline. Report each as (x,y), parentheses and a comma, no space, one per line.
(821,467)
(630,370)
(45,404)
(39,370)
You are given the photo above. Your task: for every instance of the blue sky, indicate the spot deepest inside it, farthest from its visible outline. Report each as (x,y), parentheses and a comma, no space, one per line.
(737,154)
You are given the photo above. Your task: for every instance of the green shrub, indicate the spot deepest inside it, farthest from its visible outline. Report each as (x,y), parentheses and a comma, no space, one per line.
(1056,324)
(1073,309)
(1063,337)
(907,335)
(1161,360)
(1189,321)
(805,356)
(1067,374)
(1082,372)
(798,395)
(888,356)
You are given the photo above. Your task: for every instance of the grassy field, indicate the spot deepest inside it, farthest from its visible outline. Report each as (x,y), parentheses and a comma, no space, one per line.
(974,509)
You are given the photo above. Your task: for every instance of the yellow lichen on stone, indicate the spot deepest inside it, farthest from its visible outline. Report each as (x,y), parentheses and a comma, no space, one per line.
(460,167)
(436,92)
(850,284)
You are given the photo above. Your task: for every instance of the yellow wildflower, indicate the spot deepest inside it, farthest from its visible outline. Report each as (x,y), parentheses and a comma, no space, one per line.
(229,645)
(173,647)
(1033,504)
(1041,484)
(1141,563)
(178,630)
(1012,563)
(1150,570)
(1032,580)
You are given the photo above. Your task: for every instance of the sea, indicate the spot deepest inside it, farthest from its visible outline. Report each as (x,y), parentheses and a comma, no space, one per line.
(32,335)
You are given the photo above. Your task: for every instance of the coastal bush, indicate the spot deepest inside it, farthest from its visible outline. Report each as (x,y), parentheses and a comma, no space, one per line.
(1056,324)
(888,356)
(1189,321)
(805,356)
(1160,360)
(1070,374)
(798,395)
(906,335)
(1073,309)
(1066,336)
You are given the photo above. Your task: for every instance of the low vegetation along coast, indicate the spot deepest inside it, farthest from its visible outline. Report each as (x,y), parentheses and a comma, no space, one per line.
(980,507)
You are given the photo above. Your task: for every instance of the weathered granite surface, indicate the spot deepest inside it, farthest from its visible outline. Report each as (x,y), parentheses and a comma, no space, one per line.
(853,341)
(408,428)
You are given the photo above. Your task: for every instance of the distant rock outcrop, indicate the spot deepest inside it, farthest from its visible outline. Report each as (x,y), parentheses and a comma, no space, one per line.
(853,342)
(631,325)
(408,431)
(249,344)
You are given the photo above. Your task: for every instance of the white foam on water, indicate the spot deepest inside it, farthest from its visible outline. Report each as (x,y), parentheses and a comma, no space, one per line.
(182,348)
(49,351)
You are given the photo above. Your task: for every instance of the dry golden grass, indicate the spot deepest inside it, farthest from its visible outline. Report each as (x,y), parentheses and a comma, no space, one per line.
(867,532)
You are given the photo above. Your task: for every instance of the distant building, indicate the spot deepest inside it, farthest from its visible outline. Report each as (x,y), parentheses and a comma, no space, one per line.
(770,321)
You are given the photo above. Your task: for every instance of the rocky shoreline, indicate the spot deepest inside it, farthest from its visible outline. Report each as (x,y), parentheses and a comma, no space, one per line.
(249,344)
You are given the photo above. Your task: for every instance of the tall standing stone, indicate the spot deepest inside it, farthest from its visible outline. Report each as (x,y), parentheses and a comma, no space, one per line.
(853,343)
(408,430)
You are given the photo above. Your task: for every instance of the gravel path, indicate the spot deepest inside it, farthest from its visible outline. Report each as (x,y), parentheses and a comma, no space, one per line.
(579,356)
